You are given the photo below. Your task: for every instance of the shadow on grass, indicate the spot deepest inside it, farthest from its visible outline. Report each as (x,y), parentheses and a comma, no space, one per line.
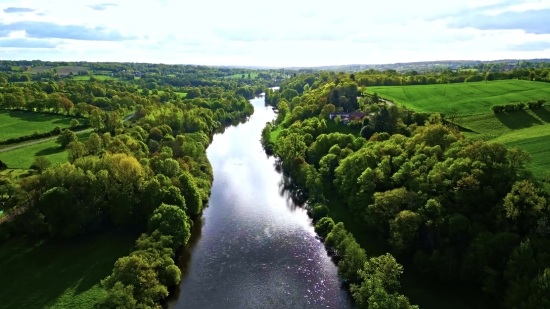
(543,113)
(517,120)
(39,117)
(49,151)
(35,274)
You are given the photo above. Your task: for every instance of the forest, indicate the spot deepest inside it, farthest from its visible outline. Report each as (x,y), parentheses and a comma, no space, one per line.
(459,211)
(132,138)
(148,176)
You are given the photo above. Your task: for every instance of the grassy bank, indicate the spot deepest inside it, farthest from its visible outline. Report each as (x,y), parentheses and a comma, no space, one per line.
(58,274)
(22,158)
(20,123)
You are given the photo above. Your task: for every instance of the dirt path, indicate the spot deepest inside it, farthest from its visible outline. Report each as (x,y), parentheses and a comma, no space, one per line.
(38,141)
(49,138)
(390,103)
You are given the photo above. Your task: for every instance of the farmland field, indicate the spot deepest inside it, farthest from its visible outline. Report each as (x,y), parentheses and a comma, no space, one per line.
(99,77)
(527,129)
(19,123)
(60,274)
(469,98)
(61,70)
(22,158)
(252,75)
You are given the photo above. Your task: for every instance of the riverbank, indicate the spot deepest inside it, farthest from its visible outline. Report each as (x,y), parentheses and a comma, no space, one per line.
(256,247)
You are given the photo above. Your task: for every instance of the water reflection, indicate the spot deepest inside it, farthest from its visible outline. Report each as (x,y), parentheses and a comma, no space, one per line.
(257,247)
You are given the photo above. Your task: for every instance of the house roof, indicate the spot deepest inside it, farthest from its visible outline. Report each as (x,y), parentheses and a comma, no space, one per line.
(357,114)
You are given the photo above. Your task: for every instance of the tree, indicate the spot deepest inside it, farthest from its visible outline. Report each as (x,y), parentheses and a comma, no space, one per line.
(76,150)
(324,226)
(65,104)
(327,110)
(97,118)
(404,230)
(191,193)
(94,144)
(66,137)
(380,281)
(524,204)
(74,123)
(172,221)
(40,163)
(118,297)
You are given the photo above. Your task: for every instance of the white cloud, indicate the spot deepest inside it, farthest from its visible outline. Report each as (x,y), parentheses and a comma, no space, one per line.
(283,33)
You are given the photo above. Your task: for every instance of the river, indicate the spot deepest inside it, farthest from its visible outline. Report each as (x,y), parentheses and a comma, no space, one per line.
(253,248)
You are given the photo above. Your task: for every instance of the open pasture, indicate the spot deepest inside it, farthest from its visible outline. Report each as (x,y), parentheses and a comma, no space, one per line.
(61,70)
(468,98)
(252,75)
(19,123)
(58,273)
(22,158)
(527,129)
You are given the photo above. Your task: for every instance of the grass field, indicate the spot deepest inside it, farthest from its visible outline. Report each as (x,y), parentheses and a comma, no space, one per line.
(527,129)
(99,77)
(469,98)
(61,70)
(22,158)
(18,123)
(58,274)
(252,76)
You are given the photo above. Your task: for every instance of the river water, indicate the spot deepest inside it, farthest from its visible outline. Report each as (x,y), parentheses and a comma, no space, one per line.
(253,248)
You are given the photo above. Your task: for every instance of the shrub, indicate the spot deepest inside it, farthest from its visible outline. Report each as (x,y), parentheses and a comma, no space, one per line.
(318,211)
(324,227)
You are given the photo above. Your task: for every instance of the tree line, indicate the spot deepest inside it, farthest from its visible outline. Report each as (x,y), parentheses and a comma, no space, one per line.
(511,107)
(460,211)
(151,176)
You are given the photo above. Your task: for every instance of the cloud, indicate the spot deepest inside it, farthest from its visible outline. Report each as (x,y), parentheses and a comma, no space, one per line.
(47,30)
(257,33)
(530,46)
(102,6)
(17,10)
(26,43)
(532,21)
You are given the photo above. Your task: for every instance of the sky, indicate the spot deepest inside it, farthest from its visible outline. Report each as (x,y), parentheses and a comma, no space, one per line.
(285,33)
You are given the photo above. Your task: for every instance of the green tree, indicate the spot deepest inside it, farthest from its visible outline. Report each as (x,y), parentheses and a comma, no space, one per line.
(76,150)
(404,230)
(66,137)
(172,221)
(74,123)
(324,226)
(97,118)
(40,163)
(191,193)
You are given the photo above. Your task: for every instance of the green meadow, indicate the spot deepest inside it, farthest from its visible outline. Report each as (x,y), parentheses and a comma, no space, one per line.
(252,75)
(19,123)
(22,158)
(61,70)
(58,273)
(527,129)
(468,98)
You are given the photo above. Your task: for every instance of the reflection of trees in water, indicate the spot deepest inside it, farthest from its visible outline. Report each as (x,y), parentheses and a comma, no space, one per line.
(295,196)
(184,255)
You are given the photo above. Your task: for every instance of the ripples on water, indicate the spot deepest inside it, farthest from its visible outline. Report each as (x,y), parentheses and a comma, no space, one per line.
(253,248)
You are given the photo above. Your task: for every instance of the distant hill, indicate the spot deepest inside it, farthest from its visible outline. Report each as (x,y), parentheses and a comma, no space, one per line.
(424,65)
